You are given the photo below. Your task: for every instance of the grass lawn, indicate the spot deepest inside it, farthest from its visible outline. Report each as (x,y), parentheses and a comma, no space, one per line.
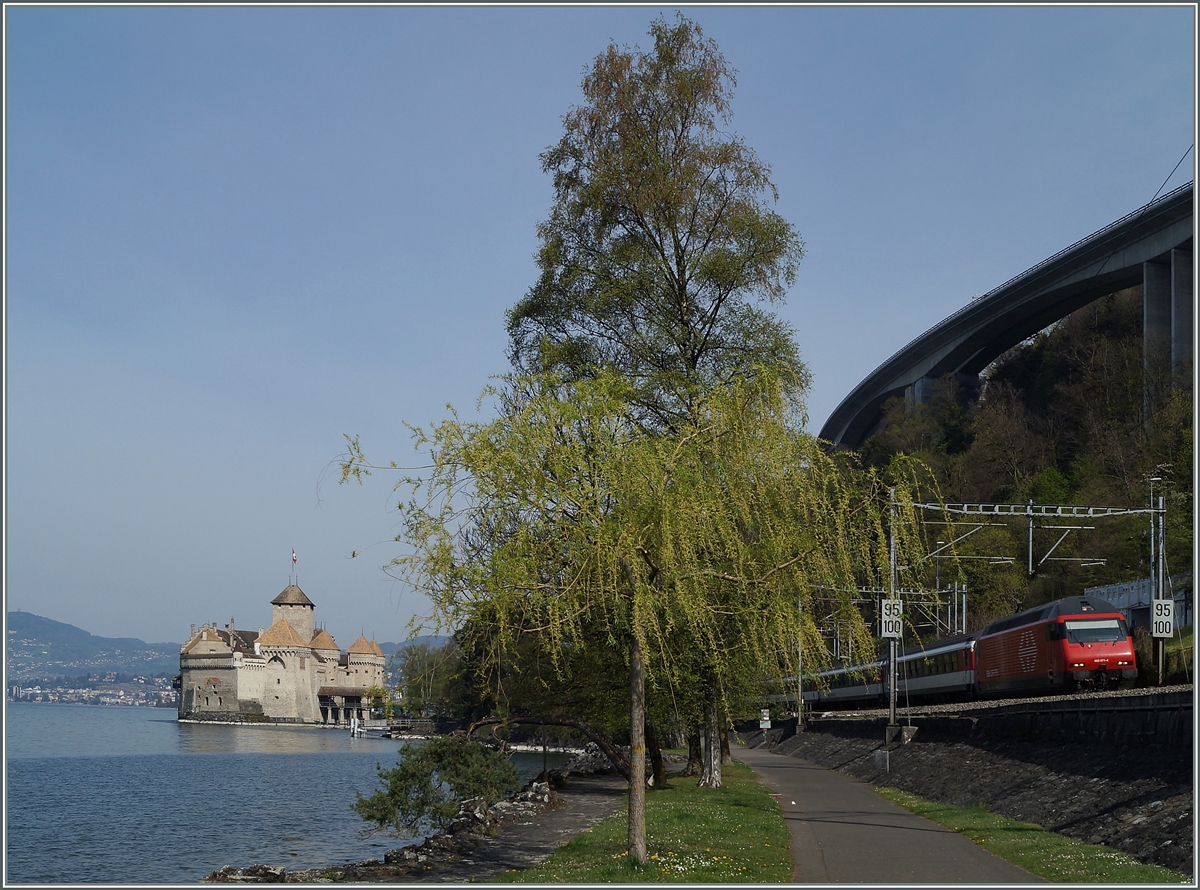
(734,834)
(1044,853)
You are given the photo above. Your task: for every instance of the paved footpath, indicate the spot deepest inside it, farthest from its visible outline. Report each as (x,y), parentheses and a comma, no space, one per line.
(843,832)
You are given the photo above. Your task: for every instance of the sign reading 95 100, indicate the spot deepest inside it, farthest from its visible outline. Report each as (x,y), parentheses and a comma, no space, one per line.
(1162,618)
(891,619)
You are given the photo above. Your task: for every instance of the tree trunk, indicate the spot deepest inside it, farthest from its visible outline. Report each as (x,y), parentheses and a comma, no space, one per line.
(637,754)
(695,754)
(657,770)
(710,736)
(726,757)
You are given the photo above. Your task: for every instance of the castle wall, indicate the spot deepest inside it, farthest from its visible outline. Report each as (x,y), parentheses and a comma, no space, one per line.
(251,681)
(287,685)
(361,671)
(279,686)
(324,671)
(209,685)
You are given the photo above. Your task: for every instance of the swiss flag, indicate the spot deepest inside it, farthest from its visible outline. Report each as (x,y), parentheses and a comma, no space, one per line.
(293,556)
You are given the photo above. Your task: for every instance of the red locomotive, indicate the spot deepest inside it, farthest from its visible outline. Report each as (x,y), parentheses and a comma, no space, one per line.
(1076,643)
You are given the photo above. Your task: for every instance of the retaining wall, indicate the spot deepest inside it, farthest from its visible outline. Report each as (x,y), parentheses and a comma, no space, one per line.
(1156,719)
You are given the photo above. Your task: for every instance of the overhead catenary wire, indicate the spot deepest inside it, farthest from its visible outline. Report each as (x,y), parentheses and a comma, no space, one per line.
(1148,203)
(1173,169)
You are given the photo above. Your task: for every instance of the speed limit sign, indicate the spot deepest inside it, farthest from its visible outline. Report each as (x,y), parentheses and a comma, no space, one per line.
(891,624)
(1162,618)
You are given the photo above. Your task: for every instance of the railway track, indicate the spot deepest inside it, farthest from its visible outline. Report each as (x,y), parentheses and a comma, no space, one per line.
(1155,698)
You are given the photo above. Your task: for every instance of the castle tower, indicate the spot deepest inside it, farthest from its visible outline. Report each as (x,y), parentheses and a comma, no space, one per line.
(296,609)
(364,664)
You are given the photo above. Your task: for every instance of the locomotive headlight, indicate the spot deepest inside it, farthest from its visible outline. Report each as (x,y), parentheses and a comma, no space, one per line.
(1076,664)
(1123,662)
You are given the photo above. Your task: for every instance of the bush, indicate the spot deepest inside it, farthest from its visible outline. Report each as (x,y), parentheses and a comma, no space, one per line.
(1178,662)
(430,782)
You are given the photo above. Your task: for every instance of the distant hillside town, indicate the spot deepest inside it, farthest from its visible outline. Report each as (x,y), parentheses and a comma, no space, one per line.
(111,689)
(293,672)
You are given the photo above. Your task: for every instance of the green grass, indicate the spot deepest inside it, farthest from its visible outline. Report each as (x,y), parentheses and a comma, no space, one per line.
(1044,853)
(1182,640)
(734,834)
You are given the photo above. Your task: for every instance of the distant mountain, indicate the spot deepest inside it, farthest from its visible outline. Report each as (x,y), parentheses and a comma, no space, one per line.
(389,649)
(40,647)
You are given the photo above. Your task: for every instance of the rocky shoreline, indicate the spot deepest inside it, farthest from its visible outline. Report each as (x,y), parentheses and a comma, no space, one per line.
(483,840)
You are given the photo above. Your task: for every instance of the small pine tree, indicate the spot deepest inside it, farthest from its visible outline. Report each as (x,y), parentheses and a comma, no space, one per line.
(430,782)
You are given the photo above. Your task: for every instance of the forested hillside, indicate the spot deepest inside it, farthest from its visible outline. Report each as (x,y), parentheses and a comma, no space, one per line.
(40,647)
(1059,419)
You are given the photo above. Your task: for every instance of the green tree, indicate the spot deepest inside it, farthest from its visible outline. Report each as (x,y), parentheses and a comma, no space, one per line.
(425,673)
(646,489)
(562,517)
(430,782)
(661,244)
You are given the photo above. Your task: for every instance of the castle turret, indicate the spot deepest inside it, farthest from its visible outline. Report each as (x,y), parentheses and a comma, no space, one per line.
(364,663)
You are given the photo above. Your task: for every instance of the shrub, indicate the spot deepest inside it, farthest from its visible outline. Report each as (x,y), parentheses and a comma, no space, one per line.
(431,780)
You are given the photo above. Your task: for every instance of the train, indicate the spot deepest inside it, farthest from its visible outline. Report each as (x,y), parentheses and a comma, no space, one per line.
(1079,643)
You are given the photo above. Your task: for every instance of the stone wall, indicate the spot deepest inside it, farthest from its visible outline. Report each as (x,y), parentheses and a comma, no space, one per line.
(1163,718)
(1160,719)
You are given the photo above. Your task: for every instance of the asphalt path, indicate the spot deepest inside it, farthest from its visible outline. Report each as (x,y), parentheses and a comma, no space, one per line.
(845,833)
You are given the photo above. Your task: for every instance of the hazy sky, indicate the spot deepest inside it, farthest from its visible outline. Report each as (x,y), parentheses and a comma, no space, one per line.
(234,234)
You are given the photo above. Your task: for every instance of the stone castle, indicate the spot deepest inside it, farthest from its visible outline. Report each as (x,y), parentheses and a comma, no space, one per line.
(290,673)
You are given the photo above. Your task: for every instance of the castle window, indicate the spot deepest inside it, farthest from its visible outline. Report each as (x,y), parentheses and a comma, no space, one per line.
(303,661)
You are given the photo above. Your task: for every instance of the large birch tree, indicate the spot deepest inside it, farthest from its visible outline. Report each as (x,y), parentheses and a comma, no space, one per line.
(662,246)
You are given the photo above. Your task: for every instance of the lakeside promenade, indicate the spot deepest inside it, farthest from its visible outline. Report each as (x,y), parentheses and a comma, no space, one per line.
(843,832)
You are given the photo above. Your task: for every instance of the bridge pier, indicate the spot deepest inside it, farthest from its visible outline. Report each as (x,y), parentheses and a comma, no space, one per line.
(964,387)
(1167,319)
(919,392)
(1182,301)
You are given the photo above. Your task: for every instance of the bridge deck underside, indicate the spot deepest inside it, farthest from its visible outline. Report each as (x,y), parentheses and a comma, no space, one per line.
(972,338)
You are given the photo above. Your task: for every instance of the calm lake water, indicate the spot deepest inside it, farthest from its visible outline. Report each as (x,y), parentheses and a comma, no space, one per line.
(114,795)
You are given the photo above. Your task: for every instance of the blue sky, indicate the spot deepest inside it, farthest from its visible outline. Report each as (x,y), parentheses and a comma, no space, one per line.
(234,234)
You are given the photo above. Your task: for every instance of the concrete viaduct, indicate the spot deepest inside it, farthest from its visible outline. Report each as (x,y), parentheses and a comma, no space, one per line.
(1151,246)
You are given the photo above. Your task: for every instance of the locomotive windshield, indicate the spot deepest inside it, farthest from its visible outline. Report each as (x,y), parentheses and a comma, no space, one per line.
(1096,630)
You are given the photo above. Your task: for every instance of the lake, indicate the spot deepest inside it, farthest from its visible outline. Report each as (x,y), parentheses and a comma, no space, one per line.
(118,795)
